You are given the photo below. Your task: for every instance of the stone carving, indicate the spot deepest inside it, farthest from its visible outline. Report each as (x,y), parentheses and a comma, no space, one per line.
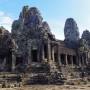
(24,13)
(46,27)
(7,44)
(86,36)
(71,33)
(30,26)
(83,44)
(34,19)
(46,31)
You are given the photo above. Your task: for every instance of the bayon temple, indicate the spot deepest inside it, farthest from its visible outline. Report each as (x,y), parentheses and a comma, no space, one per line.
(31,49)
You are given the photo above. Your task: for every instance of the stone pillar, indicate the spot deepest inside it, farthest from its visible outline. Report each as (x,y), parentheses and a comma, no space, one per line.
(53,54)
(71,58)
(86,58)
(66,61)
(4,63)
(43,57)
(49,51)
(59,57)
(38,54)
(83,61)
(29,52)
(79,58)
(13,61)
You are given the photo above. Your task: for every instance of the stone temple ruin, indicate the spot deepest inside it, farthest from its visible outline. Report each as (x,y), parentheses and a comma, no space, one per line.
(31,53)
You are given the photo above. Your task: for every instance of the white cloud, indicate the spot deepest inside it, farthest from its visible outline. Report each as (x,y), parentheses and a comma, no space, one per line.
(5,20)
(1,13)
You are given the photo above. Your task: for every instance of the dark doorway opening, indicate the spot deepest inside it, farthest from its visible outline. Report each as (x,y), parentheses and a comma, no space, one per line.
(69,59)
(34,55)
(74,60)
(55,57)
(45,51)
(9,62)
(85,58)
(81,60)
(63,59)
(19,60)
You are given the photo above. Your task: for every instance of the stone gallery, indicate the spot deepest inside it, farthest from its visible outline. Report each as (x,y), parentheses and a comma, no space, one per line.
(33,53)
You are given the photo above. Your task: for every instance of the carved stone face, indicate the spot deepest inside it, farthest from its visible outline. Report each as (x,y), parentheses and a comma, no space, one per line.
(71,30)
(34,19)
(34,11)
(46,26)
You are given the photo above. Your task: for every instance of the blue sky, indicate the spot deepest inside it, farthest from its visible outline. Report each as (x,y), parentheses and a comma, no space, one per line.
(55,12)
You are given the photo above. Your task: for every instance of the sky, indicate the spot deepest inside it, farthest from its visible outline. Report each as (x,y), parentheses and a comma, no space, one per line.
(55,12)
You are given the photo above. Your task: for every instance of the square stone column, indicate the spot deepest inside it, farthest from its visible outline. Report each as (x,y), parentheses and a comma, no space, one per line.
(71,58)
(79,62)
(13,61)
(29,52)
(38,55)
(49,51)
(66,61)
(86,58)
(43,57)
(53,58)
(83,61)
(59,57)
(4,63)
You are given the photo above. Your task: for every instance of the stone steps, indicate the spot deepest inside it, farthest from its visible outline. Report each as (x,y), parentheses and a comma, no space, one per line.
(53,66)
(70,71)
(10,78)
(38,68)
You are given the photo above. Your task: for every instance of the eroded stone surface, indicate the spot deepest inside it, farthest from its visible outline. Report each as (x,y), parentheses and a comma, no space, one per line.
(30,29)
(86,36)
(7,44)
(71,33)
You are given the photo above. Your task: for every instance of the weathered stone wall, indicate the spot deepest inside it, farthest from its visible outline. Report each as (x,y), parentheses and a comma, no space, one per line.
(7,45)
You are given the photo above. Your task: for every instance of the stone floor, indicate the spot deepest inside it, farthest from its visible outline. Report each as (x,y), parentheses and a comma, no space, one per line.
(51,87)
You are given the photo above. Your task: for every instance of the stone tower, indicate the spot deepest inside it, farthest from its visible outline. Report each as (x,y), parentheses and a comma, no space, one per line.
(33,37)
(71,33)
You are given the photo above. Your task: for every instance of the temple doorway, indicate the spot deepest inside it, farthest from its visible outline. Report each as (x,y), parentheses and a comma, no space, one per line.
(19,60)
(55,57)
(34,54)
(74,60)
(9,62)
(69,59)
(45,51)
(63,62)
